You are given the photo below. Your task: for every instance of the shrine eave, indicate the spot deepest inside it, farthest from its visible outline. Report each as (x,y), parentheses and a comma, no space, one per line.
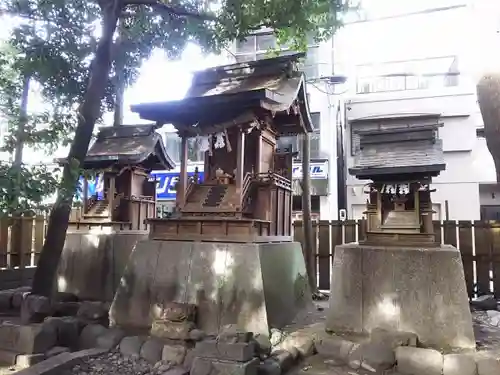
(406,173)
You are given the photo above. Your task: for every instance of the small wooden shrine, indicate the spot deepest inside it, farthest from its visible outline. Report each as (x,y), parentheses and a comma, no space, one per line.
(401,162)
(236,113)
(123,157)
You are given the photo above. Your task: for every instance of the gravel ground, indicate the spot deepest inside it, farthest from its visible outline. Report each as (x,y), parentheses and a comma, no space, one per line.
(114,363)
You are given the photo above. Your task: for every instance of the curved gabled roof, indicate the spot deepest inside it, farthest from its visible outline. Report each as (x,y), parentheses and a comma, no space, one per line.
(128,145)
(225,93)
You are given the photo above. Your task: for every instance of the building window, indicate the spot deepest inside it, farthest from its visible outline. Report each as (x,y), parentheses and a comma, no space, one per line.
(257,47)
(428,73)
(295,141)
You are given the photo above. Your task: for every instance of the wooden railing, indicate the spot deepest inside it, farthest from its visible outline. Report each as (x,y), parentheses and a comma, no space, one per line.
(277,179)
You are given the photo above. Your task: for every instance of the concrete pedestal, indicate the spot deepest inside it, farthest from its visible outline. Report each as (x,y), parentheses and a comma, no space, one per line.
(254,285)
(408,289)
(93,261)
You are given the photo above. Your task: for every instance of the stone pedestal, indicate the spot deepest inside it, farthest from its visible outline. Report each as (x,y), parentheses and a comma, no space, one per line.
(253,285)
(401,288)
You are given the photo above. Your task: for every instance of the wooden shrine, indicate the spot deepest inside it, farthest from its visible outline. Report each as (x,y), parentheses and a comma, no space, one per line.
(401,162)
(236,113)
(123,157)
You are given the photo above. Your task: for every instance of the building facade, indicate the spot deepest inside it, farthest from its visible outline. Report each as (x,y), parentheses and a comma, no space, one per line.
(398,69)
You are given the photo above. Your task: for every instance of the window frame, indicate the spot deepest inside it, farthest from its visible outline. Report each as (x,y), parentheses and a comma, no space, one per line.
(312,46)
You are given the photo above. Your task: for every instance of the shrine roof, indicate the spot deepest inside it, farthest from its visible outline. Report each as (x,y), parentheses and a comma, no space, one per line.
(130,145)
(402,152)
(222,96)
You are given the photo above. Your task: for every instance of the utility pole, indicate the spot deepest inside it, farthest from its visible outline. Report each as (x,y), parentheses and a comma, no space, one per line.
(119,78)
(306,211)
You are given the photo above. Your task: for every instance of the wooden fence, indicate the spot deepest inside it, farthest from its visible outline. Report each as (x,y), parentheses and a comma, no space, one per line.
(21,240)
(478,242)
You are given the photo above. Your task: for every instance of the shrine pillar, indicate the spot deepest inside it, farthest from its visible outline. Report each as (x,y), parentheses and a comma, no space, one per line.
(240,161)
(85,194)
(182,184)
(111,194)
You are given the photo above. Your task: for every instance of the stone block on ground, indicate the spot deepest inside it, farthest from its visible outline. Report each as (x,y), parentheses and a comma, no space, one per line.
(488,363)
(6,300)
(334,347)
(179,312)
(196,334)
(276,336)
(284,359)
(177,370)
(414,361)
(263,344)
(232,334)
(27,360)
(93,312)
(493,317)
(56,350)
(152,350)
(34,309)
(18,296)
(90,334)
(300,341)
(189,358)
(395,338)
(111,338)
(8,357)
(174,354)
(130,346)
(208,366)
(372,356)
(166,329)
(269,367)
(65,308)
(28,339)
(459,364)
(68,330)
(486,302)
(238,351)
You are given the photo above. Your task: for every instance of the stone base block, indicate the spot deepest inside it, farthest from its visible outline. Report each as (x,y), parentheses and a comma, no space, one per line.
(93,261)
(252,285)
(409,289)
(27,339)
(205,366)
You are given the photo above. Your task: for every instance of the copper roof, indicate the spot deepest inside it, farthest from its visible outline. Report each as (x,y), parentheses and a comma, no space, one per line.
(400,151)
(222,94)
(129,145)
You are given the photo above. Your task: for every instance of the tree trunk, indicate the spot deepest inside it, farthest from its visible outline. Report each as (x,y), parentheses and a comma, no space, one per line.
(306,212)
(488,95)
(23,118)
(119,92)
(119,79)
(89,111)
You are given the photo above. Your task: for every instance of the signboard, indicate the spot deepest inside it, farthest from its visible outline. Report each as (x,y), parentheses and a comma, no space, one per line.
(166,180)
(318,171)
(95,186)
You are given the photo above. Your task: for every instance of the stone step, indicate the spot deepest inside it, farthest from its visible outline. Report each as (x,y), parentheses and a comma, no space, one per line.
(27,339)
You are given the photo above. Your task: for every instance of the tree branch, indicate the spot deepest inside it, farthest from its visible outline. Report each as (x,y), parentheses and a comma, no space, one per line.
(169,9)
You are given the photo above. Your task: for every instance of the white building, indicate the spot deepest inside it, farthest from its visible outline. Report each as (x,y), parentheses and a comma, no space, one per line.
(424,63)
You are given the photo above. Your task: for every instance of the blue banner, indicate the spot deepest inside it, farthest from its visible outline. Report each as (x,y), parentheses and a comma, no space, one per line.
(165,188)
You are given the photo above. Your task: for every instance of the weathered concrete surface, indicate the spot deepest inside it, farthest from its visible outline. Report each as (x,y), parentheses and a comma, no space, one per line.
(252,285)
(93,261)
(406,289)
